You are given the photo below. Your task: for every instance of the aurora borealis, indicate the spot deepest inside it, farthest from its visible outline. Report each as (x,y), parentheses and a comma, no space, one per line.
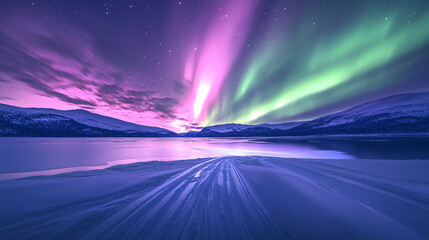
(186,64)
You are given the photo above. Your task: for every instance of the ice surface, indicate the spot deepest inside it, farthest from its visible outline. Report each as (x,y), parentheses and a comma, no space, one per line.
(223,198)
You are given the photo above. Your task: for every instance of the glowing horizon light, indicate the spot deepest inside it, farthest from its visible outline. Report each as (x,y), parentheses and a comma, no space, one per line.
(179,124)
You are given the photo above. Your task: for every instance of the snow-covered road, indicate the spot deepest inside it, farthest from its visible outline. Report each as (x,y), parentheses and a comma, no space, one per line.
(225,198)
(206,201)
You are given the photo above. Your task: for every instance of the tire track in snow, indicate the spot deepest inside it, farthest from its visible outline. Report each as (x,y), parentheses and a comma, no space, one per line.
(206,201)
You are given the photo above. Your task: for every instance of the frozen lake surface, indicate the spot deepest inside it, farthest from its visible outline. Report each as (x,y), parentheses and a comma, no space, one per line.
(21,157)
(270,188)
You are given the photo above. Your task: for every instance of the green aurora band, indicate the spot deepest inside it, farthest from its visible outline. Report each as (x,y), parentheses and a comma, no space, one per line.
(301,71)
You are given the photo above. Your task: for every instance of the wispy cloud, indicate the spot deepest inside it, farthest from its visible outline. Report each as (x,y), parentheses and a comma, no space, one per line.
(66,66)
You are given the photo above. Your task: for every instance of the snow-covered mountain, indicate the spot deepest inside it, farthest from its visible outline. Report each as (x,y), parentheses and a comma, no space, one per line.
(16,121)
(281,126)
(243,130)
(398,114)
(231,127)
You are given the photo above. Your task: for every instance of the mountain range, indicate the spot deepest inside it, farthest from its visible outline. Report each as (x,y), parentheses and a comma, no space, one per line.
(396,115)
(403,114)
(243,130)
(46,122)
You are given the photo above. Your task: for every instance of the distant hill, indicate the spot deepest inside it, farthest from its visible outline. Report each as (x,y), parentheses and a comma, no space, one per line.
(189,134)
(403,114)
(45,122)
(243,130)
(397,115)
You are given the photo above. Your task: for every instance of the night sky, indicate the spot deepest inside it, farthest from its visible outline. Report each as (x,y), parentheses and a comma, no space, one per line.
(186,64)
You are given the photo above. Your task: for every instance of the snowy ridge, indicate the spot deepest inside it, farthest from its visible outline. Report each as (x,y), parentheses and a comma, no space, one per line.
(398,114)
(281,126)
(230,127)
(87,118)
(243,130)
(410,100)
(223,128)
(17,121)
